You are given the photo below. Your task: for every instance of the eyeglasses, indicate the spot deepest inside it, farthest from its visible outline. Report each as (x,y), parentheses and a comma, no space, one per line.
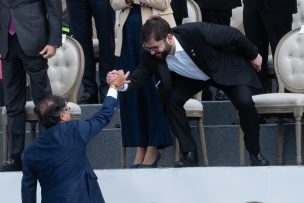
(154,48)
(149,49)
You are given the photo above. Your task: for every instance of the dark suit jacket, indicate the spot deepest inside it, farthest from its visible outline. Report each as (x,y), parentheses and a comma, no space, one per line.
(218,4)
(222,52)
(37,23)
(282,6)
(58,160)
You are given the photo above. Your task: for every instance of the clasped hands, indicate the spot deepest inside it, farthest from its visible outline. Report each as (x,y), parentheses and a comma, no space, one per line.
(117,79)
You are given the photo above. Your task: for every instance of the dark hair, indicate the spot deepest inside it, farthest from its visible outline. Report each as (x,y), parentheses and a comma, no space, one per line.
(49,110)
(155,28)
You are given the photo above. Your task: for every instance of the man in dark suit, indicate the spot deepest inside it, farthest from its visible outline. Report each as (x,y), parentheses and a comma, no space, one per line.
(217,11)
(193,55)
(58,158)
(266,22)
(180,10)
(30,31)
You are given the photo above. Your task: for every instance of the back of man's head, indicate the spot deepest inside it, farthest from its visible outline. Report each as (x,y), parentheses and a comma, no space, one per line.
(155,28)
(49,110)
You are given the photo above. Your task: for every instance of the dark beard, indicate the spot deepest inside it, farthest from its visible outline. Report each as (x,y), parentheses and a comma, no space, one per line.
(165,53)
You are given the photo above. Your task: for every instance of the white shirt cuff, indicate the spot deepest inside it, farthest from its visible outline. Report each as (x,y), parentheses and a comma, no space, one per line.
(112,92)
(125,88)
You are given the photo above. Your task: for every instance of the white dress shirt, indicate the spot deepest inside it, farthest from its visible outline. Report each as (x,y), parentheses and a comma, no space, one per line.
(183,65)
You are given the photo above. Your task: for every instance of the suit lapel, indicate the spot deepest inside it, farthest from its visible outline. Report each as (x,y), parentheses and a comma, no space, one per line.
(190,50)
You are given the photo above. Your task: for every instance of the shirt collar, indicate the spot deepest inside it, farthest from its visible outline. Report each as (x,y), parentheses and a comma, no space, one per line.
(178,47)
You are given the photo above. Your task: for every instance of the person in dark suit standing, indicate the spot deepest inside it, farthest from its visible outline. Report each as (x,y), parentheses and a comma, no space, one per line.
(266,22)
(58,158)
(30,31)
(180,10)
(191,56)
(80,15)
(217,12)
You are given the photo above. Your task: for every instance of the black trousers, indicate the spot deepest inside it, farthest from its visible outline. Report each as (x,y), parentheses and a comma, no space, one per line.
(240,96)
(81,13)
(215,16)
(263,28)
(221,17)
(15,66)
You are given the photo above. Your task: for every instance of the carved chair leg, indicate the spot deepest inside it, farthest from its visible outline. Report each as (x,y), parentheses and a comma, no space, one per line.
(203,141)
(176,150)
(123,162)
(280,142)
(242,148)
(33,131)
(298,138)
(5,138)
(164,159)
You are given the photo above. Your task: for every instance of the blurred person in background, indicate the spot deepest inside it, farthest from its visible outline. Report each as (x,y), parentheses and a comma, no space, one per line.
(80,15)
(265,23)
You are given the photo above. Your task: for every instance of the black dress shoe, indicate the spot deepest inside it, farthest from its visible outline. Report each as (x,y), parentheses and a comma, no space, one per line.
(188,159)
(87,98)
(220,95)
(258,160)
(11,165)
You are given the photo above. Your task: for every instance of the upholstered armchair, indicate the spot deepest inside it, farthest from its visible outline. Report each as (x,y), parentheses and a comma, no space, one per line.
(236,19)
(65,73)
(289,69)
(194,12)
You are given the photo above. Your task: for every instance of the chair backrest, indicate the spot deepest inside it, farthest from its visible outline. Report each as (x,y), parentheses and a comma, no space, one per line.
(289,62)
(66,70)
(236,19)
(298,18)
(63,4)
(194,12)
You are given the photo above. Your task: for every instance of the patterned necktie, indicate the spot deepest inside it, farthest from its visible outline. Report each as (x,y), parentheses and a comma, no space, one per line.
(11,28)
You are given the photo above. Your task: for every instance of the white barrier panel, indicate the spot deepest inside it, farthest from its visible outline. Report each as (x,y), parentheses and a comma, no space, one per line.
(187,185)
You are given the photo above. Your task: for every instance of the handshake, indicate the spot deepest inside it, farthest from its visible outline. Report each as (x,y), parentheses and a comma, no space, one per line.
(117,78)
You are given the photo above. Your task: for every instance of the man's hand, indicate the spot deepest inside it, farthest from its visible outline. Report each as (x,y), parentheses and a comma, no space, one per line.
(257,63)
(111,76)
(117,78)
(48,51)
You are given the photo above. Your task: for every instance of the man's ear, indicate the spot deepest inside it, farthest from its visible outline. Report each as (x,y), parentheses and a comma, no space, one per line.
(62,117)
(169,39)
